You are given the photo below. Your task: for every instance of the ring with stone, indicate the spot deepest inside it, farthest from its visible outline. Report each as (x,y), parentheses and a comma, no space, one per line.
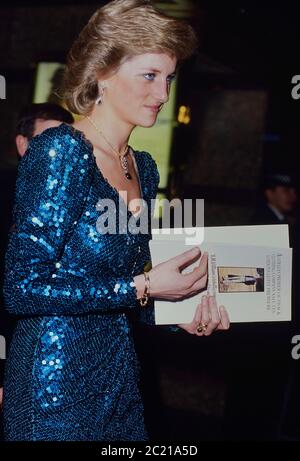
(201,327)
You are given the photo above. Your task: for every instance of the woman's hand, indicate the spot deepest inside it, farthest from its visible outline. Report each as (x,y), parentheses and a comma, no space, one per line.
(207,318)
(167,281)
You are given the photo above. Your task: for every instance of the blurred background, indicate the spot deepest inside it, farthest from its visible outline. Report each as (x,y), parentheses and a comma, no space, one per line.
(232,121)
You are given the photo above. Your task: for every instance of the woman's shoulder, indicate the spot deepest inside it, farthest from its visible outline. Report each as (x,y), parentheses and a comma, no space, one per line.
(63,133)
(149,170)
(146,157)
(58,143)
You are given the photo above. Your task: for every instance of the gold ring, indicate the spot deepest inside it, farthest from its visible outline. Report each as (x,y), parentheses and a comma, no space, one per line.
(201,327)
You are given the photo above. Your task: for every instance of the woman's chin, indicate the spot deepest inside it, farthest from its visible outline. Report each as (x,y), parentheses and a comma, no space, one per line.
(147,123)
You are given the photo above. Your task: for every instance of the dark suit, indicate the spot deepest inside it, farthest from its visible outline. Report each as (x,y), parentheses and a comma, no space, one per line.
(265,215)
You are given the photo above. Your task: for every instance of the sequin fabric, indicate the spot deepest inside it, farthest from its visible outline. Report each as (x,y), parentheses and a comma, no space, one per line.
(72,371)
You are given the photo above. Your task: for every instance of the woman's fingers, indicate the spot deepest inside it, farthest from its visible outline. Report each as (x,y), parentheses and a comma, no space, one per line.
(207,318)
(214,317)
(185,259)
(192,326)
(198,314)
(224,319)
(198,276)
(203,317)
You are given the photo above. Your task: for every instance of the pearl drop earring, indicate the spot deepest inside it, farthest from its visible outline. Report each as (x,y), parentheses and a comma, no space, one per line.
(99,100)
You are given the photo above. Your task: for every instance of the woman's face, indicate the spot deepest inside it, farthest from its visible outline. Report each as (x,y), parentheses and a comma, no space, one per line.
(140,87)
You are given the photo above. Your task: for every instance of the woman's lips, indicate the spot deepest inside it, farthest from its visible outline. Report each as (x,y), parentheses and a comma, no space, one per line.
(154,109)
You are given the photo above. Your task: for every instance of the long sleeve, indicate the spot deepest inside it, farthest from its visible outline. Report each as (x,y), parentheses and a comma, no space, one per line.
(53,183)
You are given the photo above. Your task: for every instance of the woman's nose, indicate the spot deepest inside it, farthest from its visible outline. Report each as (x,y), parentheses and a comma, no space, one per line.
(162,92)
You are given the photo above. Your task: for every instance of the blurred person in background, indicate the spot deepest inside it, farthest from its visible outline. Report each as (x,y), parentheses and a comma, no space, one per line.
(279,200)
(35,118)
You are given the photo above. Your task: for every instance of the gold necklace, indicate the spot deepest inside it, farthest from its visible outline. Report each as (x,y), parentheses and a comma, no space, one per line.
(122,157)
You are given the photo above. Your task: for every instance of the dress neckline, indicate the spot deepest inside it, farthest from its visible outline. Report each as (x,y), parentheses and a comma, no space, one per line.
(114,189)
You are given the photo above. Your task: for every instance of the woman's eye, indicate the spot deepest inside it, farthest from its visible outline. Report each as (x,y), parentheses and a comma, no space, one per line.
(149,76)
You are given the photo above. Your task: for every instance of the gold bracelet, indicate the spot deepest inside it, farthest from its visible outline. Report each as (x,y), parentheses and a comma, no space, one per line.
(144,299)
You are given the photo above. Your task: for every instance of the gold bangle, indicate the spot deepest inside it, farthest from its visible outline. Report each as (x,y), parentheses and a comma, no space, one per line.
(144,299)
(147,279)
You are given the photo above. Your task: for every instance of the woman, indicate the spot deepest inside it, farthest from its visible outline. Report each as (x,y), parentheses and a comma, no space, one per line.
(72,370)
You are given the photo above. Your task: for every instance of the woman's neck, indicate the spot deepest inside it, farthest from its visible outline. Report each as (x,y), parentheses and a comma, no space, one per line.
(107,128)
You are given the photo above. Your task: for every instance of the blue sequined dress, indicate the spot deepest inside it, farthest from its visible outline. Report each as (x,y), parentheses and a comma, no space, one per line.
(72,371)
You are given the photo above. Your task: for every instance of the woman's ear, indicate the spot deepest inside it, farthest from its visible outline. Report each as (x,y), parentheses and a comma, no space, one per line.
(22,144)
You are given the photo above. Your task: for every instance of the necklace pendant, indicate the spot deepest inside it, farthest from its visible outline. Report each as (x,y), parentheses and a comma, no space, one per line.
(128,175)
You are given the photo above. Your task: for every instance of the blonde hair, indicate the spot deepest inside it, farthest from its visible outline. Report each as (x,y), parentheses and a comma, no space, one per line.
(119,30)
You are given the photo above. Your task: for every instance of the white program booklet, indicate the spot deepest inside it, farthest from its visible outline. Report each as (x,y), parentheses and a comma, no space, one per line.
(249,271)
